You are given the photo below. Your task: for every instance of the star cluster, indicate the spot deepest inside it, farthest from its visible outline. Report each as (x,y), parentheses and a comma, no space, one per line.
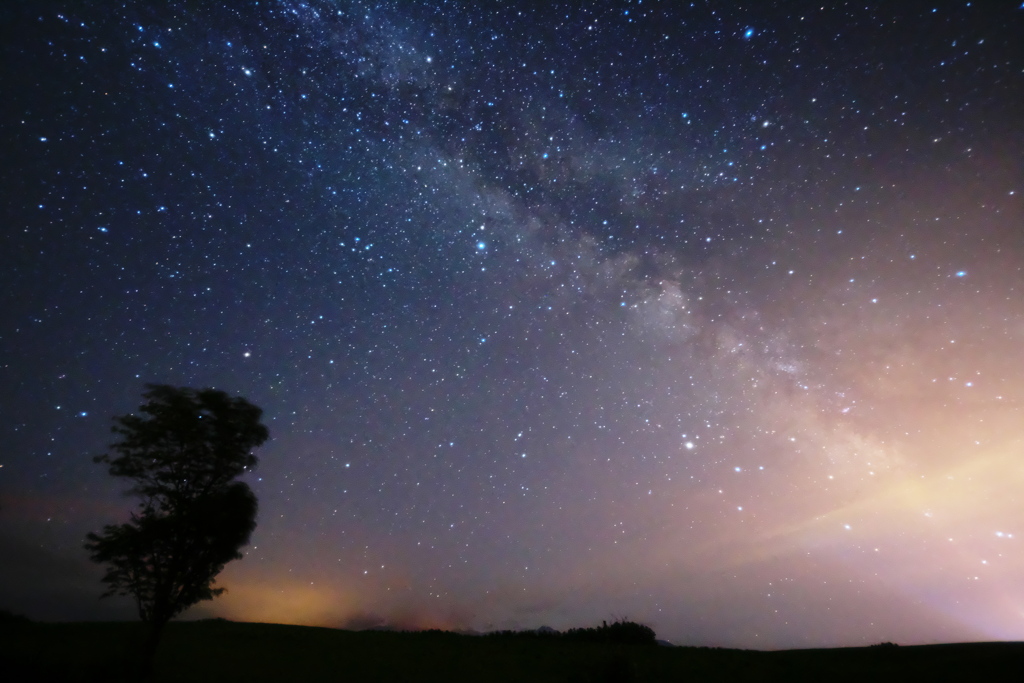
(708,315)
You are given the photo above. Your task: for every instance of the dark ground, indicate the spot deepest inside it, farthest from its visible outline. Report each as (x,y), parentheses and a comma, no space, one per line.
(227,651)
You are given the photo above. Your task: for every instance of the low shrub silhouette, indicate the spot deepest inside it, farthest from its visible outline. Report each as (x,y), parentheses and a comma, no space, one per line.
(7,617)
(619,632)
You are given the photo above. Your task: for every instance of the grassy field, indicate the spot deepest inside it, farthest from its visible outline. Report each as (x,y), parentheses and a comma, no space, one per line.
(228,651)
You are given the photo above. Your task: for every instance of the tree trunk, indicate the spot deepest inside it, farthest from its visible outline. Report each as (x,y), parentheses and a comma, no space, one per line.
(156,629)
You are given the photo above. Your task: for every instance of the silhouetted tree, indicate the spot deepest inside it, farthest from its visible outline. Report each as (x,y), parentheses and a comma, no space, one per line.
(620,631)
(183,454)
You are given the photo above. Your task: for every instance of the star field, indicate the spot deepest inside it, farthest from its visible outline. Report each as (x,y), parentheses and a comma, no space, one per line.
(707,315)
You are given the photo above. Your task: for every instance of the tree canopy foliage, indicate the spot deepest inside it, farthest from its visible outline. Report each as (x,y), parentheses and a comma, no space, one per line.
(183,453)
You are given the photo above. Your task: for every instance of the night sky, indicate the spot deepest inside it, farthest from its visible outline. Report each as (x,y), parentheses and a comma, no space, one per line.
(705,315)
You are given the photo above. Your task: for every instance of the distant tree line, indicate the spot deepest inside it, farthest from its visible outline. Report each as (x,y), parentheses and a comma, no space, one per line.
(619,632)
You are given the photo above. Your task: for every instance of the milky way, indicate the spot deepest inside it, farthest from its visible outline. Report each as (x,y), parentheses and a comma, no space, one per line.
(706,316)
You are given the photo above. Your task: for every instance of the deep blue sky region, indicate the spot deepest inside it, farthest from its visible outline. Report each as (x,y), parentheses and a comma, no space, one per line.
(707,315)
